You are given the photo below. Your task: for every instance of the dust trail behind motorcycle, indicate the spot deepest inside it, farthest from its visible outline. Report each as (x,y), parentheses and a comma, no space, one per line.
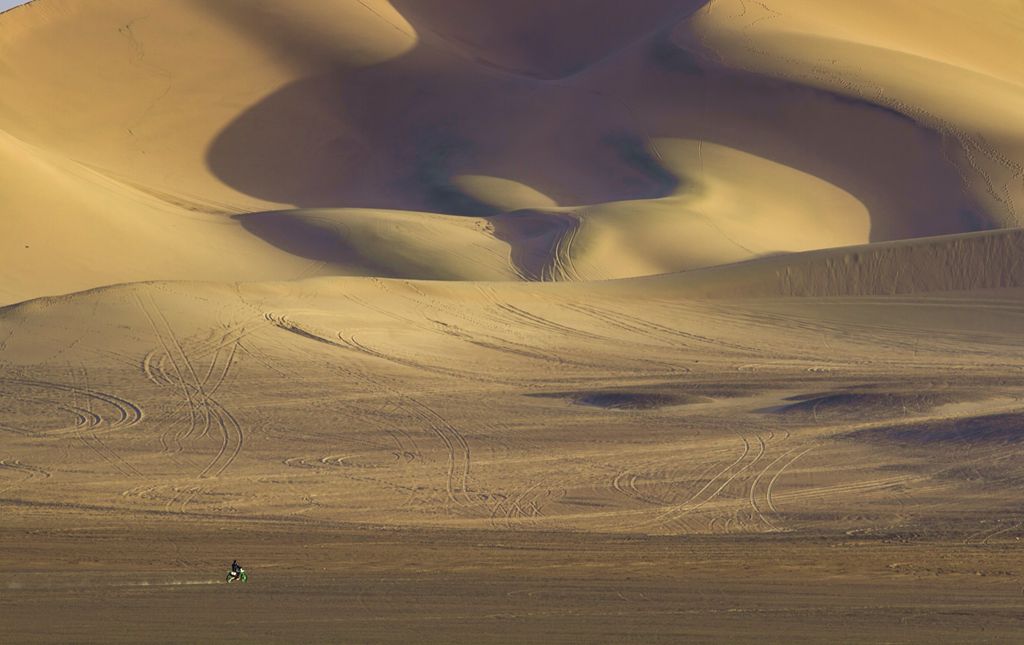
(93,584)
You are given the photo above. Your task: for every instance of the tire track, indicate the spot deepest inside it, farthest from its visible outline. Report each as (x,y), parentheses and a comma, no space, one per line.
(88,422)
(128,413)
(677,512)
(178,380)
(198,398)
(30,473)
(771,484)
(753,486)
(762,448)
(90,438)
(232,440)
(858,487)
(983,537)
(458,457)
(630,321)
(538,322)
(664,477)
(561,267)
(477,339)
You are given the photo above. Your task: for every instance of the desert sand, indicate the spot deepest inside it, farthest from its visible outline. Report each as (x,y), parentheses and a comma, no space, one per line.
(587,321)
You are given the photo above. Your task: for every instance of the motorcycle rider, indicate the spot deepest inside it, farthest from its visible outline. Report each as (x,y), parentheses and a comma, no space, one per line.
(236,570)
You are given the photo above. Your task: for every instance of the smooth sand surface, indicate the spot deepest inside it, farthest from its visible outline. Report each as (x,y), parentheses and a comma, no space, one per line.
(662,141)
(511,322)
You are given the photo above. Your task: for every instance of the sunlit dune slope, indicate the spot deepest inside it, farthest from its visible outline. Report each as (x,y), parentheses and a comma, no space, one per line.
(952,67)
(966,262)
(505,406)
(67,227)
(728,206)
(580,140)
(139,89)
(388,243)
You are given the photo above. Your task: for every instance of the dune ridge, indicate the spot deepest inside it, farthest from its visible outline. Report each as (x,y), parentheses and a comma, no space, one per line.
(665,135)
(854,51)
(966,262)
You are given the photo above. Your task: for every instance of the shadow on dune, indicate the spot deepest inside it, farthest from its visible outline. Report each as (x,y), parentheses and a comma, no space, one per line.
(393,135)
(533,237)
(857,403)
(302,239)
(631,398)
(540,38)
(967,431)
(396,134)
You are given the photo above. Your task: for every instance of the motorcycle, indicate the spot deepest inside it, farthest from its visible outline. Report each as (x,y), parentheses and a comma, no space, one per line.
(239,575)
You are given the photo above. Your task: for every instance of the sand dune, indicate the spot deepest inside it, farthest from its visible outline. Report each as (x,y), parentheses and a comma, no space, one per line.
(536,38)
(968,262)
(604,412)
(68,227)
(917,72)
(397,244)
(229,108)
(468,321)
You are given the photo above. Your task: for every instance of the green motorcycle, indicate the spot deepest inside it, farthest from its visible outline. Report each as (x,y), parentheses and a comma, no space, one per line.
(241,576)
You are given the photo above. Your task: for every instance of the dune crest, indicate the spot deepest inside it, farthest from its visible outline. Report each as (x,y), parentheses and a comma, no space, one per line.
(208,110)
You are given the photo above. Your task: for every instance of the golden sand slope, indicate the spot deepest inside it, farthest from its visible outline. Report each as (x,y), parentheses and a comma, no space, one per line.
(516,406)
(597,140)
(951,263)
(949,66)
